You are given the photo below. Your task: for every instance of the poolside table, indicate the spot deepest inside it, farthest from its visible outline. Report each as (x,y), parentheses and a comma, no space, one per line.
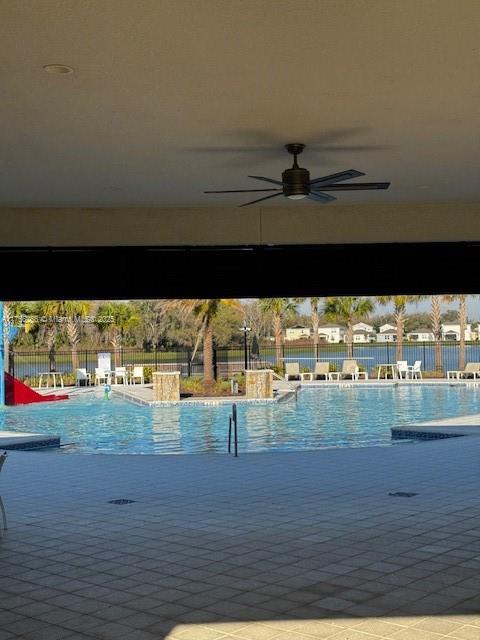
(387,368)
(46,375)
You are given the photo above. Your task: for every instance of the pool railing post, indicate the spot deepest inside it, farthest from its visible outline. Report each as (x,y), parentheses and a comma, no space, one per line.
(235,434)
(2,357)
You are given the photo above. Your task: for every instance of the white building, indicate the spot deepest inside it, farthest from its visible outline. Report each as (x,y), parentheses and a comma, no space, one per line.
(333,333)
(386,327)
(387,335)
(298,332)
(421,335)
(363,332)
(451,331)
(361,336)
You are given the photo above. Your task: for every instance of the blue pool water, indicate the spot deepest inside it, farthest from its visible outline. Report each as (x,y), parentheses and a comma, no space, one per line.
(322,418)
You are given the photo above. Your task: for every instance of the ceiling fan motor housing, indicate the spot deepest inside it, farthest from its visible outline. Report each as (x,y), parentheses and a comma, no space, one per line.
(296,182)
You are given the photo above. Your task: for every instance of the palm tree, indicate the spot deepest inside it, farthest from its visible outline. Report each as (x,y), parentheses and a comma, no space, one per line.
(399,305)
(462,321)
(348,310)
(278,309)
(48,313)
(73,311)
(12,311)
(436,324)
(115,320)
(314,316)
(204,310)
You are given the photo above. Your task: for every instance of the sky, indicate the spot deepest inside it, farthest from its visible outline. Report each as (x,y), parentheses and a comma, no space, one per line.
(473,307)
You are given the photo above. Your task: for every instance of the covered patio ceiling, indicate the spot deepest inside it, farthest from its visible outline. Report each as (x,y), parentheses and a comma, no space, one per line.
(169,99)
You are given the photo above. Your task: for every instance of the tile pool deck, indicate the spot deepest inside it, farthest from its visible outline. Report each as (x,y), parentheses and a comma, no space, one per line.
(284,546)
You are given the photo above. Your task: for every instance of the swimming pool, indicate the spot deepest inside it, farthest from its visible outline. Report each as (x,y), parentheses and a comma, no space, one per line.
(323,417)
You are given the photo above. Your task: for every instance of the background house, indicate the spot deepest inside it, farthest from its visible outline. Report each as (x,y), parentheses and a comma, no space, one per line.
(332,333)
(421,335)
(363,332)
(451,331)
(386,327)
(388,335)
(361,336)
(297,332)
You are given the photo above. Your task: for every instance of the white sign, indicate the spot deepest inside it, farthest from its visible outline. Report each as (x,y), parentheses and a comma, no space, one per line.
(105,361)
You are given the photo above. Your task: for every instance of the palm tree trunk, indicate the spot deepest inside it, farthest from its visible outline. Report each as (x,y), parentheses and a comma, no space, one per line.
(50,339)
(73,338)
(277,328)
(462,321)
(437,332)
(116,347)
(315,324)
(208,353)
(399,319)
(349,340)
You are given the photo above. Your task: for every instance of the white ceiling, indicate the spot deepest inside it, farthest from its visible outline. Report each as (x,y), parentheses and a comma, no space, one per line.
(161,88)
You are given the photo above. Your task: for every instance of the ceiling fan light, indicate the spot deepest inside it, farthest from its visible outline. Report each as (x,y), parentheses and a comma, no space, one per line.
(297,196)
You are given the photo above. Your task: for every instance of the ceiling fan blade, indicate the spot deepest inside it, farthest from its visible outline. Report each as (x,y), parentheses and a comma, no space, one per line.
(268,179)
(353,148)
(337,177)
(274,195)
(318,196)
(242,190)
(358,186)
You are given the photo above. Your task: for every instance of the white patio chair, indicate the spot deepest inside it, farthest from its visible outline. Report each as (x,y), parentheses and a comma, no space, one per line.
(120,373)
(82,378)
(415,370)
(402,369)
(102,376)
(137,374)
(3,526)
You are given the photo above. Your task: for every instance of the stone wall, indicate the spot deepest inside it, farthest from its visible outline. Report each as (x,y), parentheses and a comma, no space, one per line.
(166,386)
(259,383)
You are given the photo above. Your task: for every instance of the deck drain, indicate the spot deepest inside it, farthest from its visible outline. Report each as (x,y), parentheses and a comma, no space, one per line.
(403,494)
(121,501)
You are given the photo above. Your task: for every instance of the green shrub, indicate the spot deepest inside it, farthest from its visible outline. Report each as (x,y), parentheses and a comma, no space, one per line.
(196,386)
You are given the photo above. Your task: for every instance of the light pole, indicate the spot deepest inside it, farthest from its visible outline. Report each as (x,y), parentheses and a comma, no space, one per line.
(245,330)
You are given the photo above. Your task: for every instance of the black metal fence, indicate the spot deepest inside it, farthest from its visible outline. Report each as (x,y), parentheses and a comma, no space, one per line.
(230,360)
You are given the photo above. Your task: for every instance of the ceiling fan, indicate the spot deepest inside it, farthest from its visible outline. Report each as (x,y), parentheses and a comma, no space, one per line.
(296,184)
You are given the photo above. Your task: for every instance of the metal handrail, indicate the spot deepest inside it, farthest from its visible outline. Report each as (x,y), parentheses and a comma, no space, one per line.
(232,421)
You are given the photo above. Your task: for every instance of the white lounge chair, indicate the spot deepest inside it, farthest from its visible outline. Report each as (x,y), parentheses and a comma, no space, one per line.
(472,370)
(321,370)
(349,369)
(292,371)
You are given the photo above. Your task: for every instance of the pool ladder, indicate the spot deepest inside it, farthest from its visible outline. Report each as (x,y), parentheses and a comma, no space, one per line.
(232,422)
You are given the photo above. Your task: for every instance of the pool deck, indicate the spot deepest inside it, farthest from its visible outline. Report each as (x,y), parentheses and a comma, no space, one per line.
(284,546)
(20,440)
